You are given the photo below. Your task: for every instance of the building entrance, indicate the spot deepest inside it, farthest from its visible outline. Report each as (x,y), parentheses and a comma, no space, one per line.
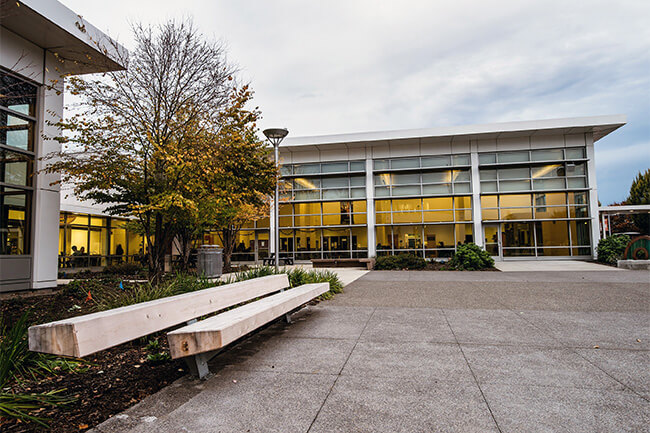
(492,240)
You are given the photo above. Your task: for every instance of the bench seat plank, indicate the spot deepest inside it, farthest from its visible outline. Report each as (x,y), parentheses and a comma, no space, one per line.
(83,335)
(218,331)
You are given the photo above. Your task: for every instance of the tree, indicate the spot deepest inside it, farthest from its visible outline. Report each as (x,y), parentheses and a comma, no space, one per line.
(640,194)
(140,142)
(237,178)
(247,173)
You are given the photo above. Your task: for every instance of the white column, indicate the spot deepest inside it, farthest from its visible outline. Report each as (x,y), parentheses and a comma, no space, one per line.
(476,199)
(593,194)
(45,218)
(370,207)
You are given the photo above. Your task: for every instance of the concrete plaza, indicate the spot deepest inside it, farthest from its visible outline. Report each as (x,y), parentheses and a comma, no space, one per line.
(433,351)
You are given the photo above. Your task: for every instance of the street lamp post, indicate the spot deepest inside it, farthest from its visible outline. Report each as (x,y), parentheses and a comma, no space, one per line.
(275,136)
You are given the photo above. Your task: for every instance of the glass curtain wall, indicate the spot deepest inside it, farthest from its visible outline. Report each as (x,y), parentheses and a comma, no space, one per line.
(18,100)
(435,222)
(322,214)
(539,199)
(89,240)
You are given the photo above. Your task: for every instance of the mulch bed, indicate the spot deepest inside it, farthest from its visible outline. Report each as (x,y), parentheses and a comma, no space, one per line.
(117,379)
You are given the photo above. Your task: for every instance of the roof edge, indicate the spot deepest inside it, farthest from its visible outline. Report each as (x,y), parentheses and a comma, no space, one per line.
(604,124)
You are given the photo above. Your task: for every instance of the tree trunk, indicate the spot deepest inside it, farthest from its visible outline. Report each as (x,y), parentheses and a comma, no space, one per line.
(228,237)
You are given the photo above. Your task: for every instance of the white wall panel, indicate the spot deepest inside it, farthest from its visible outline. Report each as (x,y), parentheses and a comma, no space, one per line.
(574,140)
(546,141)
(513,143)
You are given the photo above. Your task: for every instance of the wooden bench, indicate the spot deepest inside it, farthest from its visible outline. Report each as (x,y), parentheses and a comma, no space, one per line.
(204,339)
(83,335)
(343,263)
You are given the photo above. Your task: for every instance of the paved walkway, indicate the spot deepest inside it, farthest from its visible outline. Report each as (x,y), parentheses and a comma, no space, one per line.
(551,266)
(433,351)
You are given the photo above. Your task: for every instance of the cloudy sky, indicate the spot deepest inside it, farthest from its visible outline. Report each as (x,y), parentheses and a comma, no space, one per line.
(350,66)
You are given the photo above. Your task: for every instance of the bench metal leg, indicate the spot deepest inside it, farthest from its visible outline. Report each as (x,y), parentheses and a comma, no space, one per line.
(287,318)
(198,364)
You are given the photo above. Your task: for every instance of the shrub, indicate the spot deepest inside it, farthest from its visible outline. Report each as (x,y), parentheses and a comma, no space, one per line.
(400,261)
(16,362)
(612,248)
(256,272)
(124,269)
(179,283)
(470,257)
(298,277)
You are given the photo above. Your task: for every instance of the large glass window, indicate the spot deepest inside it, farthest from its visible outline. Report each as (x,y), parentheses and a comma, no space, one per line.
(88,240)
(14,222)
(17,123)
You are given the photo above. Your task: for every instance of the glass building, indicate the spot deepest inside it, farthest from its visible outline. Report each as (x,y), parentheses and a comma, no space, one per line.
(40,44)
(520,190)
(91,240)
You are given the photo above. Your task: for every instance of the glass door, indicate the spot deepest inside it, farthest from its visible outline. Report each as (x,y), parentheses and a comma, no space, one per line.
(492,240)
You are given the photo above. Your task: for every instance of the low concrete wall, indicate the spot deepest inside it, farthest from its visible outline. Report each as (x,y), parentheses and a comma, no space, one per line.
(634,264)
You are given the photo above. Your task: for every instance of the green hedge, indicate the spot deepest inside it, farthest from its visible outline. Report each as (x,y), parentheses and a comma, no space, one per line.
(400,261)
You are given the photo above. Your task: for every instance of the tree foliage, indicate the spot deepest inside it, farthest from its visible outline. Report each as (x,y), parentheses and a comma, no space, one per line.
(611,249)
(471,257)
(640,194)
(167,141)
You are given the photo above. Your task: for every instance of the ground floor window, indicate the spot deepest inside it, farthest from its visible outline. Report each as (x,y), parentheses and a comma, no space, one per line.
(538,238)
(428,240)
(90,240)
(14,221)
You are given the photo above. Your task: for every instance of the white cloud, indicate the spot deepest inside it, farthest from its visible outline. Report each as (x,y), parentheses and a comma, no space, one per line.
(345,65)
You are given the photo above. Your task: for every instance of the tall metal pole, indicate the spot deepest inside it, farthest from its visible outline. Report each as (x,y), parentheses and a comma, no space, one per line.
(275,136)
(276,218)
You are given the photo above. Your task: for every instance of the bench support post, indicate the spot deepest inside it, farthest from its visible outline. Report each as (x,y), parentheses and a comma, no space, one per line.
(198,364)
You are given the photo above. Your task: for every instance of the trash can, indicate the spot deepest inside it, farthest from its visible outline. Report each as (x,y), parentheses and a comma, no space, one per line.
(210,260)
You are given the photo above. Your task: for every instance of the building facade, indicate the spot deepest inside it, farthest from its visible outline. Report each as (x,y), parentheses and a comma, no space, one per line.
(41,41)
(519,189)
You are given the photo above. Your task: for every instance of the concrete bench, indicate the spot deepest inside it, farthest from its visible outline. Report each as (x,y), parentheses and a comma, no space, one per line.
(343,263)
(84,335)
(204,339)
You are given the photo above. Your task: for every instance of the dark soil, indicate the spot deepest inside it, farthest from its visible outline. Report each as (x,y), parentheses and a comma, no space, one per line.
(115,380)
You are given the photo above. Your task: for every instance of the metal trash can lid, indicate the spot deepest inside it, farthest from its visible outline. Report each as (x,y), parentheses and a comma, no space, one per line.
(209,247)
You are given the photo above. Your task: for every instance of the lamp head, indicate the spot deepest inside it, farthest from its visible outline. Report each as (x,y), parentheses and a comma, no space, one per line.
(276,135)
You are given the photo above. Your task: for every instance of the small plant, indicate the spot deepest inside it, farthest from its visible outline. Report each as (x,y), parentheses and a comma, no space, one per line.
(158,357)
(152,346)
(611,249)
(400,261)
(470,257)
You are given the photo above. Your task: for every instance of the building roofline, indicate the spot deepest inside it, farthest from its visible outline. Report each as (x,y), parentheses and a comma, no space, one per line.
(625,209)
(80,46)
(599,125)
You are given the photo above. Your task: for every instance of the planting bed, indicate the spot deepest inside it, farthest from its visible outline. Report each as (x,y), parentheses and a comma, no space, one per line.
(115,379)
